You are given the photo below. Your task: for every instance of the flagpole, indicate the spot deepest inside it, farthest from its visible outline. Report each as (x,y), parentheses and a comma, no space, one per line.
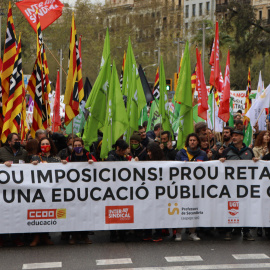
(259,116)
(214,116)
(47,113)
(222,135)
(111,136)
(54,58)
(160,128)
(72,130)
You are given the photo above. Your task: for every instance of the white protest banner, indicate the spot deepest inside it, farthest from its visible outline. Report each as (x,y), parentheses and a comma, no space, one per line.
(133,195)
(239,99)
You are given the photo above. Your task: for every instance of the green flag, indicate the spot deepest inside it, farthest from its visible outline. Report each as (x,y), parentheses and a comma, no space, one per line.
(231,121)
(174,115)
(106,49)
(116,121)
(164,105)
(154,117)
(183,94)
(248,135)
(97,101)
(78,124)
(133,90)
(196,118)
(143,116)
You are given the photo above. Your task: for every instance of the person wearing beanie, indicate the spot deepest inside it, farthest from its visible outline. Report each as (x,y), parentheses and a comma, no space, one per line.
(137,150)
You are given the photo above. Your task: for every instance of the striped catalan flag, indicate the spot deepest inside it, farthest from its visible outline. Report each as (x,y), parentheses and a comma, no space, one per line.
(193,81)
(46,110)
(156,92)
(73,95)
(24,126)
(248,100)
(123,68)
(1,107)
(37,79)
(8,58)
(14,103)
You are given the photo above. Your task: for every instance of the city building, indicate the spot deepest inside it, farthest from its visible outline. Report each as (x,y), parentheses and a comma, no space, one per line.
(262,10)
(194,11)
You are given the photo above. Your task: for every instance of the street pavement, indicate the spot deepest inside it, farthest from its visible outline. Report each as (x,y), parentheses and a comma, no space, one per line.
(212,252)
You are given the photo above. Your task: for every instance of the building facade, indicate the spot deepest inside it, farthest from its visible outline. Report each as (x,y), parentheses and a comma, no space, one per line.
(262,10)
(195,11)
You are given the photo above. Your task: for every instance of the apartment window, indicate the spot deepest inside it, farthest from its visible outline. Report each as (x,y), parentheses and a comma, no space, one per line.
(193,10)
(157,32)
(186,27)
(187,11)
(260,14)
(179,3)
(207,8)
(200,9)
(268,16)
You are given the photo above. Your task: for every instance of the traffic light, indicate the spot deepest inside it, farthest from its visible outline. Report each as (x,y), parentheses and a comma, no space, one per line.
(169,84)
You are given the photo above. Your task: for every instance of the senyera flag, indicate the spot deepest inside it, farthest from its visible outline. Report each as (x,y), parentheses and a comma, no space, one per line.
(48,11)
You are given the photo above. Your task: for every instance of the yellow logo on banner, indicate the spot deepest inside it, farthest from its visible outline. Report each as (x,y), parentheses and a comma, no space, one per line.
(174,210)
(61,213)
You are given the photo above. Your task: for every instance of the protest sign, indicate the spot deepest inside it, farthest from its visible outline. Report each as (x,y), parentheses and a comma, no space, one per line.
(133,195)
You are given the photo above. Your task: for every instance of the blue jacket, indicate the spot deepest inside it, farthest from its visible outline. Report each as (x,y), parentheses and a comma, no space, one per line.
(182,156)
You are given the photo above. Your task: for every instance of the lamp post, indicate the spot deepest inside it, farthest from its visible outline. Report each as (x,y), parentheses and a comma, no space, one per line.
(203,41)
(178,42)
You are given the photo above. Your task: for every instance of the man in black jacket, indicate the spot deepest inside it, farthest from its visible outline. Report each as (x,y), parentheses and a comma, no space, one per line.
(13,153)
(237,150)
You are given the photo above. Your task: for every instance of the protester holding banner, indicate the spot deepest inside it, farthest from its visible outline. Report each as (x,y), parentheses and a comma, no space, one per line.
(154,153)
(191,152)
(262,145)
(237,150)
(13,153)
(79,154)
(119,154)
(47,154)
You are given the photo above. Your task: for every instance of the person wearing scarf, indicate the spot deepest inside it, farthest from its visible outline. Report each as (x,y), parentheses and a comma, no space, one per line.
(191,152)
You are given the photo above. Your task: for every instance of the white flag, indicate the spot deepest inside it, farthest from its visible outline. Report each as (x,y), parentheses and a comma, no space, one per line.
(261,103)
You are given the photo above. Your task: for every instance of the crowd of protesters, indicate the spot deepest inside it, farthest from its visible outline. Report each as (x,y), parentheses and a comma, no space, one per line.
(154,145)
